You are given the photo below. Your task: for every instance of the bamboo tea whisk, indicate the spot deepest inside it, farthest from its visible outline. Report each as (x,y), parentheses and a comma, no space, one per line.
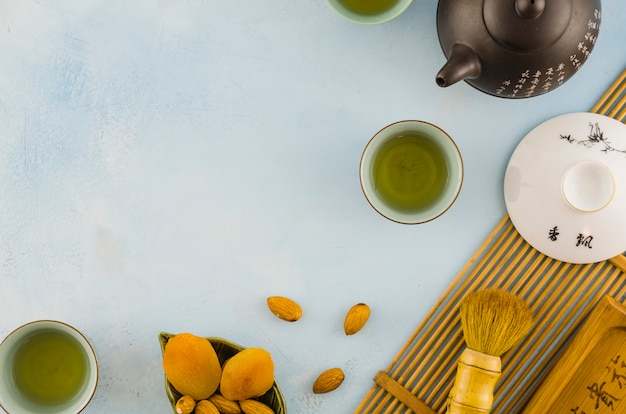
(493,321)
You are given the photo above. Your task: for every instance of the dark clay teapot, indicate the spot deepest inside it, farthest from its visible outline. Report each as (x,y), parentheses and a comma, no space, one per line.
(515,48)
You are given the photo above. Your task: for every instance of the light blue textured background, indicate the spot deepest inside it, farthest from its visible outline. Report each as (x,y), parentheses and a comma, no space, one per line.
(165,165)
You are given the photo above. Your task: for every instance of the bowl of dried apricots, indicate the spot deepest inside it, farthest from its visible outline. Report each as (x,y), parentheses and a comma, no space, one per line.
(207,375)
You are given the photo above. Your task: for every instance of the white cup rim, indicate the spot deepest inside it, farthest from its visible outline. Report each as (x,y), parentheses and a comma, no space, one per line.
(455,164)
(384,17)
(8,404)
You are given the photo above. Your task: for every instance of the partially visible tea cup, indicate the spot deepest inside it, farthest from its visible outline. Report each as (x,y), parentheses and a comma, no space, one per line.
(369,11)
(411,172)
(46,367)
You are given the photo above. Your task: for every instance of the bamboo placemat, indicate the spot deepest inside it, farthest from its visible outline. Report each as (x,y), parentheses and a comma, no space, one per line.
(560,294)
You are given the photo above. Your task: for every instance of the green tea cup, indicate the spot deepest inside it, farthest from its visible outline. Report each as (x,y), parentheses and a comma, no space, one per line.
(411,172)
(369,11)
(46,367)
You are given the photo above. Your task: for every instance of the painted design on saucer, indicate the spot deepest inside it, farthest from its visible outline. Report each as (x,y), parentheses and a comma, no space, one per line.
(595,137)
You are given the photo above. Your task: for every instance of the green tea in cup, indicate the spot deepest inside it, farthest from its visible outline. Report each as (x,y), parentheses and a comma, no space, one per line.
(46,367)
(49,368)
(368,6)
(369,11)
(411,172)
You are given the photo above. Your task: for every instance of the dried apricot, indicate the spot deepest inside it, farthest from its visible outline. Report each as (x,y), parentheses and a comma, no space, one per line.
(248,374)
(191,365)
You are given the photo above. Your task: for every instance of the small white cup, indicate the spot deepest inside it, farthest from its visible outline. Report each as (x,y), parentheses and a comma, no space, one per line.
(13,401)
(452,173)
(384,16)
(588,186)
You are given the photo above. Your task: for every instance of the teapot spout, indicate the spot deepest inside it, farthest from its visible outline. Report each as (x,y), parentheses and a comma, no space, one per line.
(462,64)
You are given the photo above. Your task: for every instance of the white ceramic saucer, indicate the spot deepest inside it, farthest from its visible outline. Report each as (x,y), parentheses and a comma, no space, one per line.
(565,188)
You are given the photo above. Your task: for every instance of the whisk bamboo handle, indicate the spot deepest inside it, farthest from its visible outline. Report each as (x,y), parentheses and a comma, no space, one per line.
(476,378)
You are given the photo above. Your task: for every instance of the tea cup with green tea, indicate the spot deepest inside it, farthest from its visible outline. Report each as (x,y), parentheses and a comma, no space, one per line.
(369,11)
(46,367)
(411,172)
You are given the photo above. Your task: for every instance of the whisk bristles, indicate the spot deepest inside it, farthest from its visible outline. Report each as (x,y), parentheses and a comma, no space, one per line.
(494,321)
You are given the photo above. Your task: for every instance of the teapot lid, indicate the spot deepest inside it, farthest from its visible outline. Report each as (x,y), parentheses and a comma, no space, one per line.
(527,25)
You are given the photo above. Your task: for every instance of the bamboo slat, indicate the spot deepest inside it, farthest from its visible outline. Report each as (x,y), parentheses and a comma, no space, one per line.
(560,294)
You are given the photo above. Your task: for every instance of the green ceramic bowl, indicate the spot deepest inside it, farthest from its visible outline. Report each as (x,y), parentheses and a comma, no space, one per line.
(226,349)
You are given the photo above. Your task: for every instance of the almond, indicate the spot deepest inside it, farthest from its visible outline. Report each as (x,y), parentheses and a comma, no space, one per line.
(225,405)
(356,318)
(328,380)
(285,308)
(255,407)
(185,405)
(206,407)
